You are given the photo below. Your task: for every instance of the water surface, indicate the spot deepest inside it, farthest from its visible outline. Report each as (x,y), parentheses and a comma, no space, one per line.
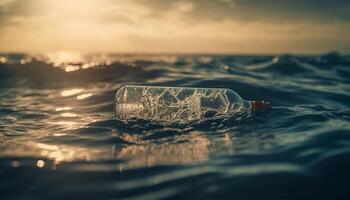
(59,138)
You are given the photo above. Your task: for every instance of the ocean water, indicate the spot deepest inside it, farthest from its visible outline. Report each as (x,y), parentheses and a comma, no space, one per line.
(59,138)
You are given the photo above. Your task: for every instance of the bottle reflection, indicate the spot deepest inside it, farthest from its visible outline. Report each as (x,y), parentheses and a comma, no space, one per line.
(195,148)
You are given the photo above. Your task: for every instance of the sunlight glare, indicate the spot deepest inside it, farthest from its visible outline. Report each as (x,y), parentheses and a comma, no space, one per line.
(84,96)
(40,163)
(63,108)
(71,92)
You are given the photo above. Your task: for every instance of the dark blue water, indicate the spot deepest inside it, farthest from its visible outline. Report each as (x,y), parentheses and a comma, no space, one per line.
(59,138)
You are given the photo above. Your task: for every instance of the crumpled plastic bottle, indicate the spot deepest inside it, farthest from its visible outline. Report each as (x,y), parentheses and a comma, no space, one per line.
(180,104)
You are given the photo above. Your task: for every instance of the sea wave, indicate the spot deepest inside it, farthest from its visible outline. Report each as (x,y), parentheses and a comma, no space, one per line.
(59,137)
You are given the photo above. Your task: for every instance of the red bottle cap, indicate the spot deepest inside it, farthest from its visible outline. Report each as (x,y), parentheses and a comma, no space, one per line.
(260,105)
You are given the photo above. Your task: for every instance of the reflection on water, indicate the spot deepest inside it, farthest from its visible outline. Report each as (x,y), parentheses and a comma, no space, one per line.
(68,153)
(63,108)
(71,92)
(68,114)
(65,124)
(40,163)
(194,147)
(59,140)
(65,130)
(75,91)
(72,61)
(71,68)
(61,58)
(3,59)
(84,96)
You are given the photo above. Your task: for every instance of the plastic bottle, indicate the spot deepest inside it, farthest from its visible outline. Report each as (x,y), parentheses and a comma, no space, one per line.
(179,103)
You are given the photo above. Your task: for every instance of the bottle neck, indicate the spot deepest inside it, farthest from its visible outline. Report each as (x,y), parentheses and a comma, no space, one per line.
(259,106)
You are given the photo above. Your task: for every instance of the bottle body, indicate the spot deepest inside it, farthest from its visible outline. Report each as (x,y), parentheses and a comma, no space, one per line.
(176,103)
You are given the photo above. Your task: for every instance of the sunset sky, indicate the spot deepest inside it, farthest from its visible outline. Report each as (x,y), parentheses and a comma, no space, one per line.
(161,26)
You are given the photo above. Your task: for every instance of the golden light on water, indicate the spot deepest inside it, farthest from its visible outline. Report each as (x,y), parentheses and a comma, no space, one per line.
(23,61)
(3,60)
(60,58)
(71,92)
(86,66)
(59,134)
(84,96)
(68,114)
(72,68)
(63,108)
(197,148)
(54,152)
(66,124)
(68,153)
(40,163)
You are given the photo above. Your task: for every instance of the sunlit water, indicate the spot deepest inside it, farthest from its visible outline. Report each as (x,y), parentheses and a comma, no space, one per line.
(59,138)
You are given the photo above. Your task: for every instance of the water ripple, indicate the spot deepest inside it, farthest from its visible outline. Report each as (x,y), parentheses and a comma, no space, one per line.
(59,138)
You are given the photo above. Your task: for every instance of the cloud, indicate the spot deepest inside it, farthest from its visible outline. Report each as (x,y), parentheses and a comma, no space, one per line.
(197,11)
(272,11)
(13,11)
(267,11)
(177,25)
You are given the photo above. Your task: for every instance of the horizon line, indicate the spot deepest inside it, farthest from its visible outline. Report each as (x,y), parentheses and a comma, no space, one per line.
(129,53)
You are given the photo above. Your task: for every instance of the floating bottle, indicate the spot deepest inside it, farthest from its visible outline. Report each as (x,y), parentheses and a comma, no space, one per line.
(180,103)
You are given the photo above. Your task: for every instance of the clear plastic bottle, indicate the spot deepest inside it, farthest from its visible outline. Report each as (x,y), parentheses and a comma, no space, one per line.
(179,103)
